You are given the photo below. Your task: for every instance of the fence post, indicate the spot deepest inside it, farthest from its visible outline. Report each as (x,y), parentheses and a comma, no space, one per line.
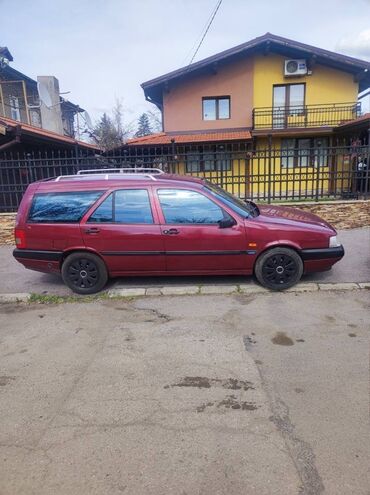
(31,172)
(269,169)
(366,172)
(317,176)
(173,150)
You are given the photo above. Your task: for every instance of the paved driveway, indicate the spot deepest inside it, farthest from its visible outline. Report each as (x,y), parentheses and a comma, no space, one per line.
(197,395)
(355,267)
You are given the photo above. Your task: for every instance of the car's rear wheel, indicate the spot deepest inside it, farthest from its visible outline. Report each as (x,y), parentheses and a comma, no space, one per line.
(84,273)
(279,268)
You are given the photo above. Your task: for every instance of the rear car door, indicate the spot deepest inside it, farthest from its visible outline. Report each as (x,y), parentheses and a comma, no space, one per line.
(125,231)
(193,239)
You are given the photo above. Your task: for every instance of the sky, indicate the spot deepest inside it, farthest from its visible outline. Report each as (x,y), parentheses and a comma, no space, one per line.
(101,50)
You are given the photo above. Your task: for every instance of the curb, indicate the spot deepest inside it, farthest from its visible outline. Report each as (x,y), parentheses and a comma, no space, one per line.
(190,290)
(231,289)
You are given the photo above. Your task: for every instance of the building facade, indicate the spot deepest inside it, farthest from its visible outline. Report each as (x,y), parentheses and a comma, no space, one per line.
(266,119)
(32,104)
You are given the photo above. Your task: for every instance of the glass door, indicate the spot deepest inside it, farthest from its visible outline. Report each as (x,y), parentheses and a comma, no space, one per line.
(279,107)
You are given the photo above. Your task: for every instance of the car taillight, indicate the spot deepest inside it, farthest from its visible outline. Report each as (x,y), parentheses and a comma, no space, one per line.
(20,238)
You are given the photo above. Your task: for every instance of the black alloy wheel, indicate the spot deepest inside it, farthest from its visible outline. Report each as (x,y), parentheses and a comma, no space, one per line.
(279,268)
(84,273)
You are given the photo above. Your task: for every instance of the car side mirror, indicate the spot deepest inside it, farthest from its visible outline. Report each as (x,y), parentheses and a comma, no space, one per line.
(226,223)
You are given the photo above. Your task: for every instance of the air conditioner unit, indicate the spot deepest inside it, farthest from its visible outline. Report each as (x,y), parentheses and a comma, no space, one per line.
(297,67)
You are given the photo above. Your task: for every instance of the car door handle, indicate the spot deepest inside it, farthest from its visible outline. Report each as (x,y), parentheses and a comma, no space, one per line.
(171,232)
(92,230)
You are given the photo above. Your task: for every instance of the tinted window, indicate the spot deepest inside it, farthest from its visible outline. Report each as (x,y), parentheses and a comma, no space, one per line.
(124,206)
(181,206)
(233,202)
(62,207)
(104,212)
(132,206)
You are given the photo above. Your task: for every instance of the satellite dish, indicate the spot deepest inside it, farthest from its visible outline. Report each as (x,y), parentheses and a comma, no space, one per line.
(44,94)
(87,119)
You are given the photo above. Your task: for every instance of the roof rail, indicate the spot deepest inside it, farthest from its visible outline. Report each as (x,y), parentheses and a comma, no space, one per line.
(107,173)
(127,170)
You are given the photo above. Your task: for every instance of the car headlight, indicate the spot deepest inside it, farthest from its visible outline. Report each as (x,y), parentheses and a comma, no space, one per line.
(333,242)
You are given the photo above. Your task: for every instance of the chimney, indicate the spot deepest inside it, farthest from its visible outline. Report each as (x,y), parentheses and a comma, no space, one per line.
(51,114)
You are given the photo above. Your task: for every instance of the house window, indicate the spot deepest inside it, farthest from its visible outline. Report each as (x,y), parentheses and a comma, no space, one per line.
(216,108)
(320,157)
(288,99)
(193,161)
(304,152)
(15,113)
(208,160)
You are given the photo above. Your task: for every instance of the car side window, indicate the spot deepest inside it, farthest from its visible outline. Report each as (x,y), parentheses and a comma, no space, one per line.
(129,206)
(62,207)
(104,212)
(189,207)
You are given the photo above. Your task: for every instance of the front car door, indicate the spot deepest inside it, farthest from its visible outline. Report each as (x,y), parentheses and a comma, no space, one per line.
(125,231)
(193,239)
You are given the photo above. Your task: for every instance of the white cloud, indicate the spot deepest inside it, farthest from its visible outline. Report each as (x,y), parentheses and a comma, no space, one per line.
(357,44)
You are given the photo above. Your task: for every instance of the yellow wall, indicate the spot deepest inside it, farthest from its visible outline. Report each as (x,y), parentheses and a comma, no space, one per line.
(250,177)
(324,86)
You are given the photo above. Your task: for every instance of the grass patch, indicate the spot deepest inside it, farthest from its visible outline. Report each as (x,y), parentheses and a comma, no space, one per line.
(53,299)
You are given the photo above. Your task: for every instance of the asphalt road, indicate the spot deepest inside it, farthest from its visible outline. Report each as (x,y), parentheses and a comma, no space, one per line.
(196,395)
(354,267)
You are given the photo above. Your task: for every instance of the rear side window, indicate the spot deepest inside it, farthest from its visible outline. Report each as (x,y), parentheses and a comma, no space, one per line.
(129,206)
(66,207)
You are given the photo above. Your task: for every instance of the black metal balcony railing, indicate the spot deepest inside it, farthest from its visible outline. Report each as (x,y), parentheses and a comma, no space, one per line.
(302,116)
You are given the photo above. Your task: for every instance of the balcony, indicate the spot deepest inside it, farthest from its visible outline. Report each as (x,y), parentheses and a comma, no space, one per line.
(304,116)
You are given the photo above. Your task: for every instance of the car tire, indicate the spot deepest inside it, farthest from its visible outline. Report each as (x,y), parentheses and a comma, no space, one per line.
(84,273)
(279,268)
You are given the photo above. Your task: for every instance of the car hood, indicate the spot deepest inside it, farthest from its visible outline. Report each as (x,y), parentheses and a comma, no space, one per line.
(286,215)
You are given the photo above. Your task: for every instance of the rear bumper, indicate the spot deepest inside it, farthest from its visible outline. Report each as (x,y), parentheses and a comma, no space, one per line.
(37,255)
(334,253)
(41,261)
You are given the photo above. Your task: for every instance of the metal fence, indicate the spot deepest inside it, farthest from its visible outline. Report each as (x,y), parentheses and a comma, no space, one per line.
(265,175)
(293,116)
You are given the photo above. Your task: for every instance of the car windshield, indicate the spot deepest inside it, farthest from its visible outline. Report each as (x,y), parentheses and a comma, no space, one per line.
(246,209)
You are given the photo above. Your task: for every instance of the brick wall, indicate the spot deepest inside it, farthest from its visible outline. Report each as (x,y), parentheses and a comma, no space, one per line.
(6,228)
(342,215)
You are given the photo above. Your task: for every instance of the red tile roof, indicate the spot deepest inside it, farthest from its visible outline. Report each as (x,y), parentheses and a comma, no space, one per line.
(362,118)
(43,133)
(163,138)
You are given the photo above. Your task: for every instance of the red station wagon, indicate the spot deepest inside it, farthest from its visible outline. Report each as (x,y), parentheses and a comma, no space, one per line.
(125,222)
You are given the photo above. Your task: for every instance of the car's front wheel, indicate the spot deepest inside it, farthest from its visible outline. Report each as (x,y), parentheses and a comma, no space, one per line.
(84,273)
(279,268)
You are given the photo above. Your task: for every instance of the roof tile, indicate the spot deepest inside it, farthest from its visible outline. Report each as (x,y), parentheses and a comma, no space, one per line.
(38,131)
(163,138)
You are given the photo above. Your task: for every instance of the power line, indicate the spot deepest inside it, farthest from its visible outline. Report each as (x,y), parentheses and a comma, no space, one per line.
(206,30)
(188,55)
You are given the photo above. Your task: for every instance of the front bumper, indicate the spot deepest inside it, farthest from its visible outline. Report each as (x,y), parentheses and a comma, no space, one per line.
(322,253)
